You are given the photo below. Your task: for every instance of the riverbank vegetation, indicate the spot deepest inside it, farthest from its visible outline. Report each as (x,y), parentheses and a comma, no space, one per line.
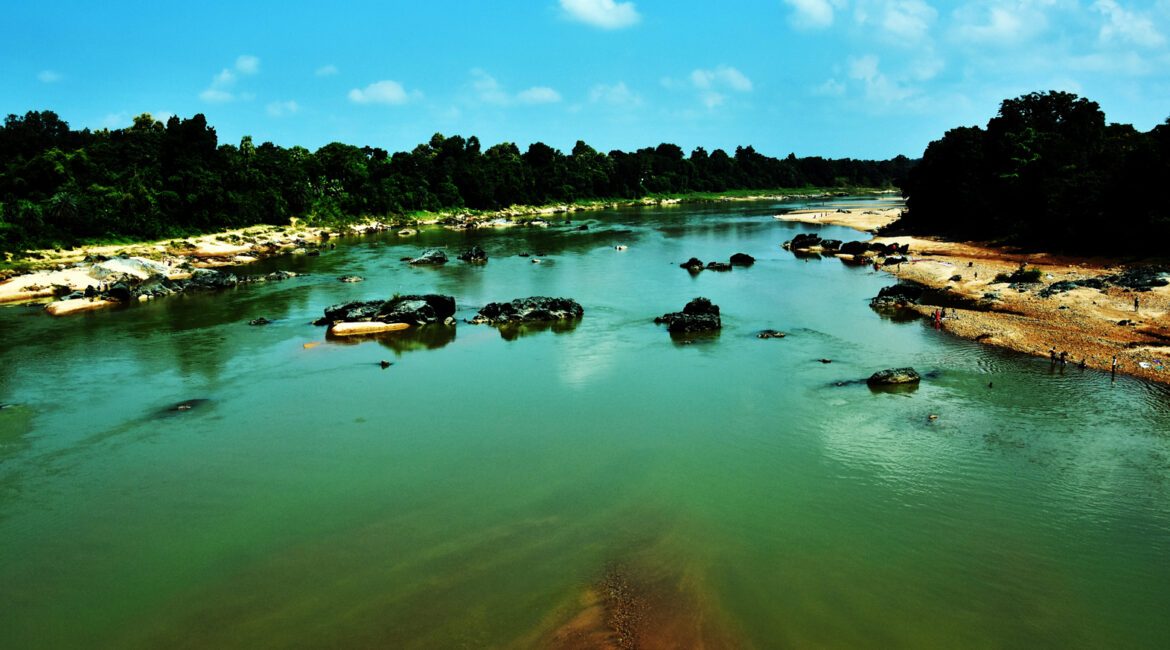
(1048,173)
(62,187)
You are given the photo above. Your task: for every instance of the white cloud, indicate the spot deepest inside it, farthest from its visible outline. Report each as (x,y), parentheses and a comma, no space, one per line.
(616,95)
(538,95)
(216,96)
(383,92)
(1002,22)
(880,90)
(606,14)
(908,19)
(49,76)
(327,70)
(813,14)
(722,76)
(247,64)
(831,88)
(1127,26)
(864,67)
(221,89)
(490,91)
(279,109)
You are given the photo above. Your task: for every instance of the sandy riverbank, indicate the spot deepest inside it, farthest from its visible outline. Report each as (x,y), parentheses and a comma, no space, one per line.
(1083,321)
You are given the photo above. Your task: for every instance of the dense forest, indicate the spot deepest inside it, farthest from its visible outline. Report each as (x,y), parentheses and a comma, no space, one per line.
(59,186)
(1049,174)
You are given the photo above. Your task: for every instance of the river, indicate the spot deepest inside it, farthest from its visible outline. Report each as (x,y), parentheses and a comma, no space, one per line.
(467,495)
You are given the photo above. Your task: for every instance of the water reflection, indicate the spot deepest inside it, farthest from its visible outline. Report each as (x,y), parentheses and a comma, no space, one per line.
(513,331)
(423,337)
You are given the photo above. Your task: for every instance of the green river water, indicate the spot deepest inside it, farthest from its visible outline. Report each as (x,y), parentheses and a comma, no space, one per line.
(467,495)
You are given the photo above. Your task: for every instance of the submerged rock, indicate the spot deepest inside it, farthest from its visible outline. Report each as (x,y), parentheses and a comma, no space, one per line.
(693,265)
(718,266)
(894,376)
(699,315)
(259,321)
(351,278)
(411,309)
(525,310)
(770,334)
(742,259)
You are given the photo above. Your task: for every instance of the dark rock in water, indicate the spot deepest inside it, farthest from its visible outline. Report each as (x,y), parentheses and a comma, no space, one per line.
(825,360)
(890,261)
(831,244)
(701,307)
(770,334)
(280,275)
(528,310)
(351,278)
(417,309)
(718,266)
(181,407)
(474,254)
(582,227)
(385,364)
(212,279)
(91,291)
(405,259)
(699,315)
(314,253)
(119,292)
(351,312)
(853,248)
(693,265)
(893,376)
(802,241)
(433,256)
(742,259)
(260,321)
(898,294)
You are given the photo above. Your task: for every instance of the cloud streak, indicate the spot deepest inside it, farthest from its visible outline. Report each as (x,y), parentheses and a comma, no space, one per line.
(221,90)
(605,14)
(383,92)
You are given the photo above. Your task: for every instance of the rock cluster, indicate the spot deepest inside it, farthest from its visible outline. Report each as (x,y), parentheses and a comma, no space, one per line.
(527,310)
(412,309)
(699,315)
(695,265)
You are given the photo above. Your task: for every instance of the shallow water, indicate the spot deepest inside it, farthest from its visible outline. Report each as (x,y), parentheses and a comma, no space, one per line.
(466,495)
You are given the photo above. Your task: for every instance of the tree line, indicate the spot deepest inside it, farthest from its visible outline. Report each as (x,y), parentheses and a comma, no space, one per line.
(62,187)
(1048,174)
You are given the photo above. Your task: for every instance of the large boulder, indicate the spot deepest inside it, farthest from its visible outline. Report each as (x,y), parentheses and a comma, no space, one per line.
(893,377)
(853,248)
(212,279)
(527,310)
(742,259)
(351,312)
(474,254)
(718,266)
(693,265)
(699,315)
(417,309)
(803,241)
(433,256)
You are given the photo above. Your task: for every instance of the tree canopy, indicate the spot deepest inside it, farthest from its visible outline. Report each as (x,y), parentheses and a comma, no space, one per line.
(59,186)
(1047,173)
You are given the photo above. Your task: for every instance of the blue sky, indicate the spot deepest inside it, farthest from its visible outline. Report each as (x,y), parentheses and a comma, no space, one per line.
(838,78)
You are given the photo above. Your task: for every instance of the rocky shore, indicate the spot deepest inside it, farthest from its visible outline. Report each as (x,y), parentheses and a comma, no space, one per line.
(1091,308)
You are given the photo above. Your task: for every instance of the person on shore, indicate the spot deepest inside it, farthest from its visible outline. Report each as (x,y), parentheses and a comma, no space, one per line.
(1115,364)
(1052,353)
(1136,303)
(1082,364)
(1063,359)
